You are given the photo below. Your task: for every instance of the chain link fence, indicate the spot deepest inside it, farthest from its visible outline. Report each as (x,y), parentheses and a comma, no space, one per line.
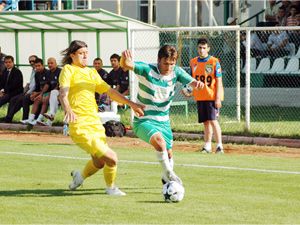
(274,77)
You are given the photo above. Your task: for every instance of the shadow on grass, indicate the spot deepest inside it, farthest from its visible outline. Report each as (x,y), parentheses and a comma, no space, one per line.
(159,202)
(50,144)
(50,192)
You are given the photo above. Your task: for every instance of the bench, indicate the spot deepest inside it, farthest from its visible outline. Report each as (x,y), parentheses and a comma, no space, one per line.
(182,103)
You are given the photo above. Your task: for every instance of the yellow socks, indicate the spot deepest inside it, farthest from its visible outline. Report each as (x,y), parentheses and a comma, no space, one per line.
(109,175)
(89,169)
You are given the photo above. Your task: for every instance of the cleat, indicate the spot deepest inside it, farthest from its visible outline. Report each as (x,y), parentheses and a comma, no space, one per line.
(164,179)
(41,123)
(115,191)
(49,116)
(25,122)
(205,151)
(32,122)
(77,180)
(219,150)
(171,176)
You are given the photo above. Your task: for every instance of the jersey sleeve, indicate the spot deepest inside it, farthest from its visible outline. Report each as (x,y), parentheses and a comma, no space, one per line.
(65,76)
(141,68)
(183,77)
(101,85)
(218,69)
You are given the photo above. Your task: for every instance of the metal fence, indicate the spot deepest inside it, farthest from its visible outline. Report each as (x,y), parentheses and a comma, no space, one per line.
(261,82)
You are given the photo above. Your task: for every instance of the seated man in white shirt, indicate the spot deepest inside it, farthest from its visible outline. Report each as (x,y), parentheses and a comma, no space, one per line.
(278,44)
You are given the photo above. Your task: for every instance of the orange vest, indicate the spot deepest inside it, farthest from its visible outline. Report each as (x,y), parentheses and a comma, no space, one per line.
(206,72)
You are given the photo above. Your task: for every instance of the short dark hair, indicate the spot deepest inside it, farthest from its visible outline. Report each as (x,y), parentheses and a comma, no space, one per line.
(203,41)
(115,56)
(97,59)
(9,57)
(167,51)
(38,60)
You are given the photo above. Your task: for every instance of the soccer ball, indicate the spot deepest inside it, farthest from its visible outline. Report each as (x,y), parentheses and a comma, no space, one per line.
(187,90)
(173,191)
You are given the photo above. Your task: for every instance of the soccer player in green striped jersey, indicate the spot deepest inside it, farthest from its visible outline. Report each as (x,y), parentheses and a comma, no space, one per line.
(155,91)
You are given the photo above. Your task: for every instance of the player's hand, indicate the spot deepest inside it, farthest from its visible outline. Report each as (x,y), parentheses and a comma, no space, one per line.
(199,85)
(126,60)
(138,109)
(218,103)
(70,116)
(127,55)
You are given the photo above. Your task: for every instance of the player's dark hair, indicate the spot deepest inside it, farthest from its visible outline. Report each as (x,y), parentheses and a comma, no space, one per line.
(9,57)
(97,59)
(167,51)
(74,46)
(38,60)
(203,41)
(115,56)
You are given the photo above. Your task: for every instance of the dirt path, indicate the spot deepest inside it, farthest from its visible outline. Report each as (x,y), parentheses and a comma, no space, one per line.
(178,146)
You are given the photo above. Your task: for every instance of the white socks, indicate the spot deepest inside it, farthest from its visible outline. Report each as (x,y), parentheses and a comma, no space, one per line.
(40,118)
(164,160)
(207,146)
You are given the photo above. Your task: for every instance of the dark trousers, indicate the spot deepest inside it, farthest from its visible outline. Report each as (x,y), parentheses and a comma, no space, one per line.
(4,99)
(16,103)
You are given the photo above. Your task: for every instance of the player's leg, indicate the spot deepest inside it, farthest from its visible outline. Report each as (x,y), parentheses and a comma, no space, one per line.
(53,105)
(208,132)
(45,104)
(26,102)
(102,157)
(35,108)
(218,136)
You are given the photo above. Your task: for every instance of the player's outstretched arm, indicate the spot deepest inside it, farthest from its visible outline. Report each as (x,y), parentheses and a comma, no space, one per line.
(70,116)
(126,61)
(197,84)
(116,96)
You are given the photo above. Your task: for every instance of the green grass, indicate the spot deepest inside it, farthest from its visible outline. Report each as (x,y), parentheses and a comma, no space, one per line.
(33,189)
(265,121)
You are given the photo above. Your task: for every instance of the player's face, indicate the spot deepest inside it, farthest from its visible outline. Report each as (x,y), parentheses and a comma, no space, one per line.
(97,64)
(38,67)
(80,57)
(203,50)
(31,61)
(8,64)
(114,63)
(51,64)
(166,65)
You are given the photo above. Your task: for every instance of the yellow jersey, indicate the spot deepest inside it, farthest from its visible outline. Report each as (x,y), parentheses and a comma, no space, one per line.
(83,83)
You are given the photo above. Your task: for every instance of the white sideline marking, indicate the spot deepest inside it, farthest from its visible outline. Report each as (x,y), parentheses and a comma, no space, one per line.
(152,163)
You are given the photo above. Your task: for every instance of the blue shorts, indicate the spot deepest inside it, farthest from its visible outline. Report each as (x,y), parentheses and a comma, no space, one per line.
(145,129)
(207,111)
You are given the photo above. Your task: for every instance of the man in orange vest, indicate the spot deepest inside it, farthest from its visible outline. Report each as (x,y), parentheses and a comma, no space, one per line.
(207,69)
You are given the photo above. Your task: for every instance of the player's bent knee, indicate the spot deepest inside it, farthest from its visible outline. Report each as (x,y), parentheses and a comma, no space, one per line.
(110,158)
(158,142)
(98,162)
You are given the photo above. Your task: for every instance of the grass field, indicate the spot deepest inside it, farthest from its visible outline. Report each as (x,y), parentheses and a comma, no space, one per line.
(231,189)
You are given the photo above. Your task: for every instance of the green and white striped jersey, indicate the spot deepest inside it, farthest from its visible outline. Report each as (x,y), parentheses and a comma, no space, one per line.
(156,91)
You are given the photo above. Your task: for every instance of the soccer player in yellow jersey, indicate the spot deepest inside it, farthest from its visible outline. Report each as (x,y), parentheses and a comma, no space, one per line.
(78,85)
(207,69)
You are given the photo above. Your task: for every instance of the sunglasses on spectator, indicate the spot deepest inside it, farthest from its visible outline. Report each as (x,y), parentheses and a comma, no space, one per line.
(30,61)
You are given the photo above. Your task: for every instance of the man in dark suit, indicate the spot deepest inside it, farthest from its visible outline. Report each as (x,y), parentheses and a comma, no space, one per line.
(11,81)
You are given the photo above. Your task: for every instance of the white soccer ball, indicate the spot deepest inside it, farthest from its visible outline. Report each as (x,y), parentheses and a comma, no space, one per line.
(173,191)
(187,90)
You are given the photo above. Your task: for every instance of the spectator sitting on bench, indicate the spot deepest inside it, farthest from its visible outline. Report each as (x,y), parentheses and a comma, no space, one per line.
(54,72)
(41,94)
